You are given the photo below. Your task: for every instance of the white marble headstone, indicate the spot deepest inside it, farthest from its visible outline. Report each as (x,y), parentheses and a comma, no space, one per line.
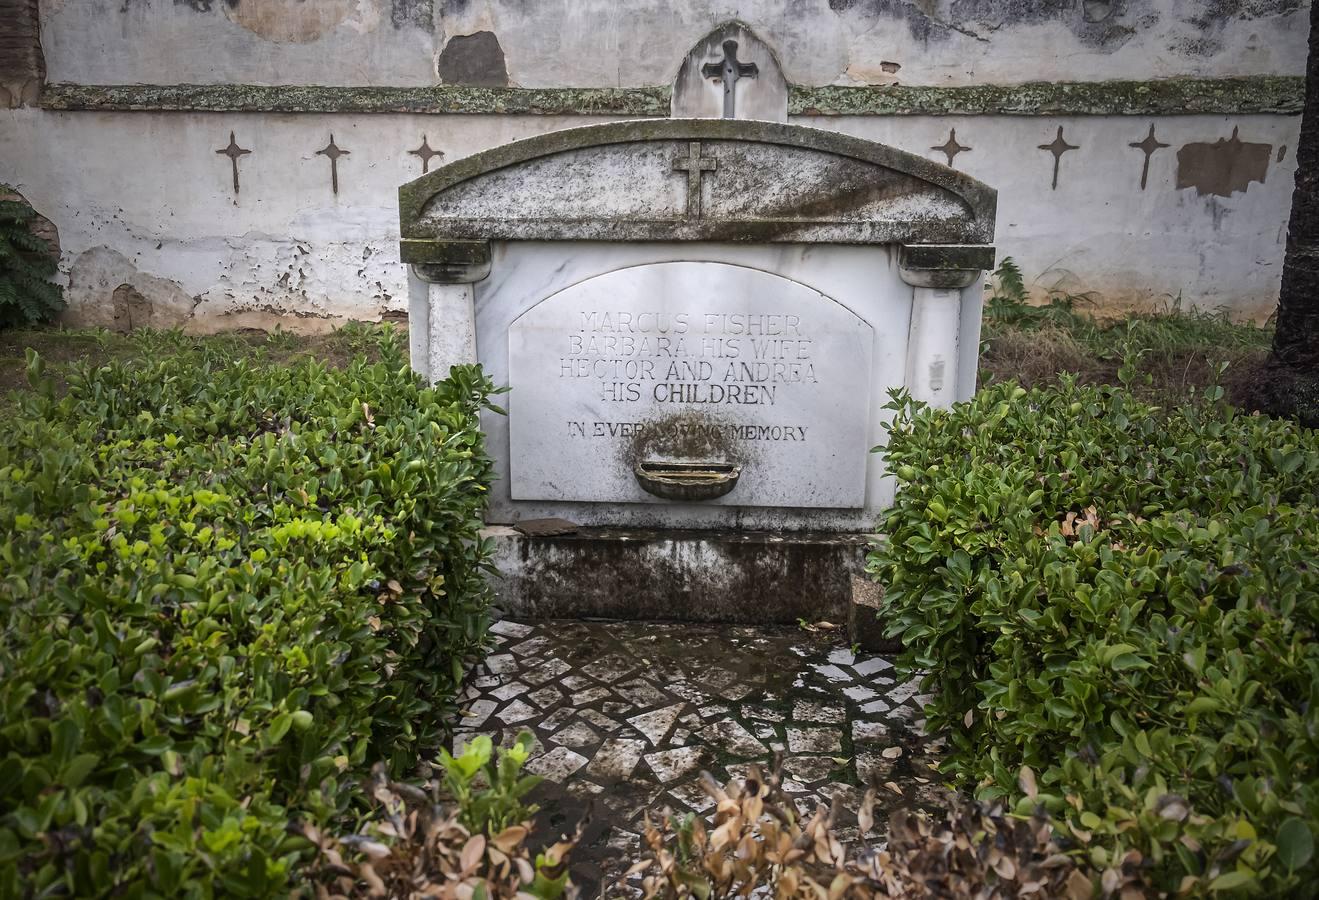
(690,362)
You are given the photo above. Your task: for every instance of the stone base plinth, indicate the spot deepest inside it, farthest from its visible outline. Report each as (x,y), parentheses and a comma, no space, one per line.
(664,574)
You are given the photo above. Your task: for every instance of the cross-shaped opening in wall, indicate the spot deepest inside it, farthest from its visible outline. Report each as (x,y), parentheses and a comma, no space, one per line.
(729,70)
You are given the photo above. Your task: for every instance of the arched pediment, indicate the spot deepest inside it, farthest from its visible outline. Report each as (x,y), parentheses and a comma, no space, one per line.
(694,180)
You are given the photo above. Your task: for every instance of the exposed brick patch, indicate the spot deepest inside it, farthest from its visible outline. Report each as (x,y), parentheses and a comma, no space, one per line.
(22,65)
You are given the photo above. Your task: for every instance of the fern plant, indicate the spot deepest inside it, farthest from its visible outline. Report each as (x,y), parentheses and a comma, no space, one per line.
(1007,299)
(27,295)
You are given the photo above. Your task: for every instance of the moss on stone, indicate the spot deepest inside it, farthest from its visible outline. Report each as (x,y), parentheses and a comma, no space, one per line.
(450,99)
(1172,96)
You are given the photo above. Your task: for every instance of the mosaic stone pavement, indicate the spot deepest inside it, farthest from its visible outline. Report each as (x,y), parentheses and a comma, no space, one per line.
(626,715)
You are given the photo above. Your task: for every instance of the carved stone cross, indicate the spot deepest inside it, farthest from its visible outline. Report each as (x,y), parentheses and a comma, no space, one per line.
(695,166)
(233,151)
(426,153)
(951,148)
(333,151)
(1058,146)
(729,70)
(1147,146)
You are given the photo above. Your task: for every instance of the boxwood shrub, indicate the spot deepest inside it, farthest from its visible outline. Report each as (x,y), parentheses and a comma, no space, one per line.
(226,588)
(1117,605)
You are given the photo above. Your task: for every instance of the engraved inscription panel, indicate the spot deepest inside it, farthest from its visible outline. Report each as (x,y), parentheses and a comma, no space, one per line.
(702,364)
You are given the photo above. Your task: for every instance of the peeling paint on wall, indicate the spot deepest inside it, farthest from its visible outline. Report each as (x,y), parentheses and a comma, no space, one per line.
(1223,167)
(295,21)
(137,300)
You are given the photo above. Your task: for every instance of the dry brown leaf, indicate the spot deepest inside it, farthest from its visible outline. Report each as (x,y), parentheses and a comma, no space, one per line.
(374,883)
(1110,880)
(865,816)
(508,839)
(1026,781)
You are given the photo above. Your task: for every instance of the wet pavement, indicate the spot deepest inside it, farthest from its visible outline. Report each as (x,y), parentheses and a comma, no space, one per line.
(626,715)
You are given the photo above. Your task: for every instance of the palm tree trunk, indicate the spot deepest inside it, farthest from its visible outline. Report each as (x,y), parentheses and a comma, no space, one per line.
(1287,383)
(1296,341)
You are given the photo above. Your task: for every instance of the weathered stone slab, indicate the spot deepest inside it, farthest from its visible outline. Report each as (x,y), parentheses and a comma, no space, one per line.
(703,576)
(697,180)
(690,363)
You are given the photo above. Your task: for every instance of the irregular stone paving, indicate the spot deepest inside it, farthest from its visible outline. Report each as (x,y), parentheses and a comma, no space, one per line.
(626,715)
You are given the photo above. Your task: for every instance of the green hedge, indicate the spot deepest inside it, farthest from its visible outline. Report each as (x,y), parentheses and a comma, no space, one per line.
(1123,601)
(226,587)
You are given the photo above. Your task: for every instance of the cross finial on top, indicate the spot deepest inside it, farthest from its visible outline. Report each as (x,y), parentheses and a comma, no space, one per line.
(729,71)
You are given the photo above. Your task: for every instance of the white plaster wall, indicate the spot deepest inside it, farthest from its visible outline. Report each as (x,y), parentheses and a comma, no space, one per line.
(1099,234)
(144,199)
(935,42)
(340,42)
(601,43)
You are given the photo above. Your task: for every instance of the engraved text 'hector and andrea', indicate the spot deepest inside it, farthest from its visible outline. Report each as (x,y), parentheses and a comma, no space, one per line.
(696,359)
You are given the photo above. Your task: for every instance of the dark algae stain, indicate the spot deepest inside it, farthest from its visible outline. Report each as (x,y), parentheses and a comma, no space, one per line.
(1104,24)
(412,13)
(1211,17)
(1215,14)
(922,23)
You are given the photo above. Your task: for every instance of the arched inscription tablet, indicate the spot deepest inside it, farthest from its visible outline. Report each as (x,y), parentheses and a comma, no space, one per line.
(646,383)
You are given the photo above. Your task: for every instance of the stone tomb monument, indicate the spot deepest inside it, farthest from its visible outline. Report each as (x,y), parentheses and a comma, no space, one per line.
(700,320)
